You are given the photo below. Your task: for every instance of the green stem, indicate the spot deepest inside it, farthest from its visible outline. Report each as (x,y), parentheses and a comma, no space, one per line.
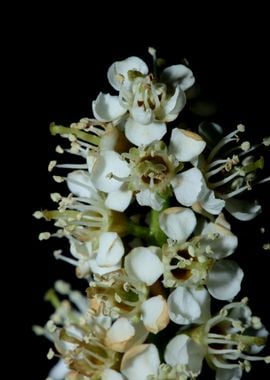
(155,232)
(152,234)
(84,136)
(138,231)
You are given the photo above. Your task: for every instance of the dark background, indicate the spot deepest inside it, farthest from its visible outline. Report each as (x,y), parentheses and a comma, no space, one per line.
(63,68)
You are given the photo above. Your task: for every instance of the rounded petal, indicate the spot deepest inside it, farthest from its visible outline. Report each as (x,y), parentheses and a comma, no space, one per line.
(118,200)
(140,361)
(149,198)
(119,334)
(155,314)
(110,250)
(209,202)
(224,280)
(243,210)
(221,240)
(80,184)
(177,222)
(174,105)
(178,75)
(140,134)
(189,305)
(59,371)
(141,115)
(118,71)
(107,107)
(187,186)
(111,374)
(186,145)
(101,270)
(229,374)
(184,351)
(107,165)
(142,264)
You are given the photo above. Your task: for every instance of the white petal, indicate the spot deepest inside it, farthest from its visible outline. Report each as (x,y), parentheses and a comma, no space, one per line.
(80,184)
(140,134)
(111,374)
(189,305)
(107,107)
(148,198)
(177,222)
(184,351)
(119,334)
(187,186)
(186,145)
(209,202)
(59,371)
(142,264)
(178,75)
(110,250)
(118,200)
(118,71)
(155,314)
(224,280)
(243,210)
(141,115)
(109,162)
(81,250)
(221,240)
(140,361)
(111,138)
(101,270)
(174,105)
(228,374)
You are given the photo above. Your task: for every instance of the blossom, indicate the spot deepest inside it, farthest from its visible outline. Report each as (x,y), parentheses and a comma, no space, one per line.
(229,341)
(145,103)
(144,220)
(231,171)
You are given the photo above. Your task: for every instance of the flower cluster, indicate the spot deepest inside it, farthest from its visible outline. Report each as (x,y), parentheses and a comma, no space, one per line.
(145,218)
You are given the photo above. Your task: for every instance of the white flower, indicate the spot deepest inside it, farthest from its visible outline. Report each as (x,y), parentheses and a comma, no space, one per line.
(229,175)
(104,258)
(200,261)
(140,361)
(231,340)
(143,265)
(146,103)
(188,305)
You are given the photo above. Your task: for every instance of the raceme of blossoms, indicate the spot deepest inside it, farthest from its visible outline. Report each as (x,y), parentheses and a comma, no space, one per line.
(145,218)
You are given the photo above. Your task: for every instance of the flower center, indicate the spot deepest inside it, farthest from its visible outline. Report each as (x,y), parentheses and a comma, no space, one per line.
(154,170)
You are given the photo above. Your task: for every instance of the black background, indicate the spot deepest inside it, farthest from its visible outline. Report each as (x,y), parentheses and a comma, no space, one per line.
(63,67)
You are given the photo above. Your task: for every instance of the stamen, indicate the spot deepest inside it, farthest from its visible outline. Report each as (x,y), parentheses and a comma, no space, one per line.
(59,256)
(225,140)
(72,166)
(226,179)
